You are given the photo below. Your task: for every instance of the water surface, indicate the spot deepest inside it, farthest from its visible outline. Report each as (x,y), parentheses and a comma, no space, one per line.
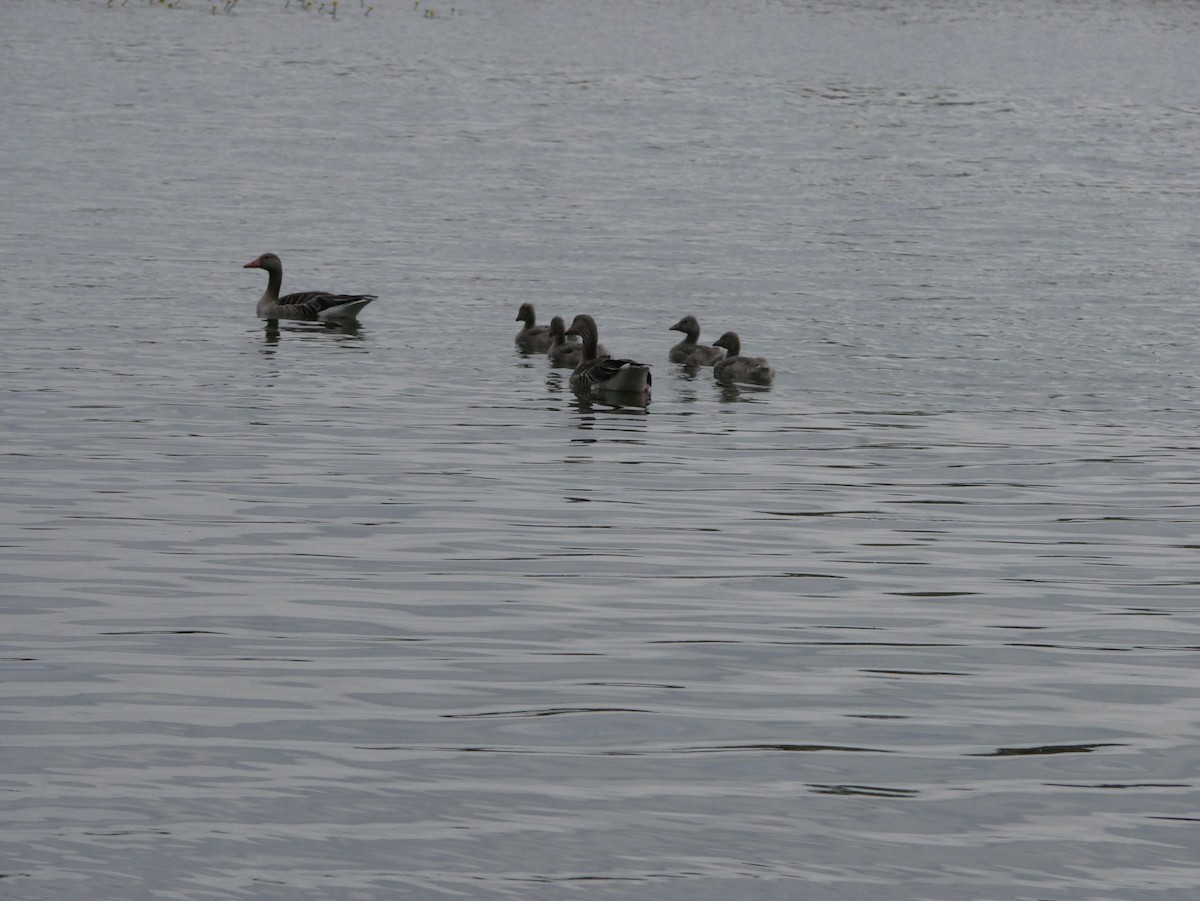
(390,613)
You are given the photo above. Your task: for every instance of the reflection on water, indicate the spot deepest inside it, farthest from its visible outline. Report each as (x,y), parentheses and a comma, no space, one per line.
(273,328)
(634,402)
(302,612)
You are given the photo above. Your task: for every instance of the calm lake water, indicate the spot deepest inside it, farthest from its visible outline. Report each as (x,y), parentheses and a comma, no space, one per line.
(390,613)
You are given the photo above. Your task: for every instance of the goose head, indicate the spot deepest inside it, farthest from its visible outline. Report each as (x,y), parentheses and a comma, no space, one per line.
(584,326)
(688,325)
(268,261)
(730,342)
(525,314)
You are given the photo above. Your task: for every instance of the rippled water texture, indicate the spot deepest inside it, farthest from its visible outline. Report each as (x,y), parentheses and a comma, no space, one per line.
(387,612)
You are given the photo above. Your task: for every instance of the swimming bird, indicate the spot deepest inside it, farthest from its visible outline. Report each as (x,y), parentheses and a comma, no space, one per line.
(688,351)
(532,338)
(306,306)
(600,374)
(736,368)
(563,352)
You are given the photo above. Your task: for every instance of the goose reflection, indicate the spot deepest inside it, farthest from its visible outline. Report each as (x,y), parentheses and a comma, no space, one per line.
(341,331)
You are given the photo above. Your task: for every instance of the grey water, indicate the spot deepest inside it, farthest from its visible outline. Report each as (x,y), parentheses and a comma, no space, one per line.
(389,612)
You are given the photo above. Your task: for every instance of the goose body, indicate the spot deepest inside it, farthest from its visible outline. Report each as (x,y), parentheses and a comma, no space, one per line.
(736,368)
(688,351)
(305,306)
(563,352)
(596,374)
(532,338)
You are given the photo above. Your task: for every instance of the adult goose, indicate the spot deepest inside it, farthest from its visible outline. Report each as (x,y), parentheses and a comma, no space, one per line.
(564,353)
(736,368)
(688,351)
(532,338)
(596,374)
(306,306)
